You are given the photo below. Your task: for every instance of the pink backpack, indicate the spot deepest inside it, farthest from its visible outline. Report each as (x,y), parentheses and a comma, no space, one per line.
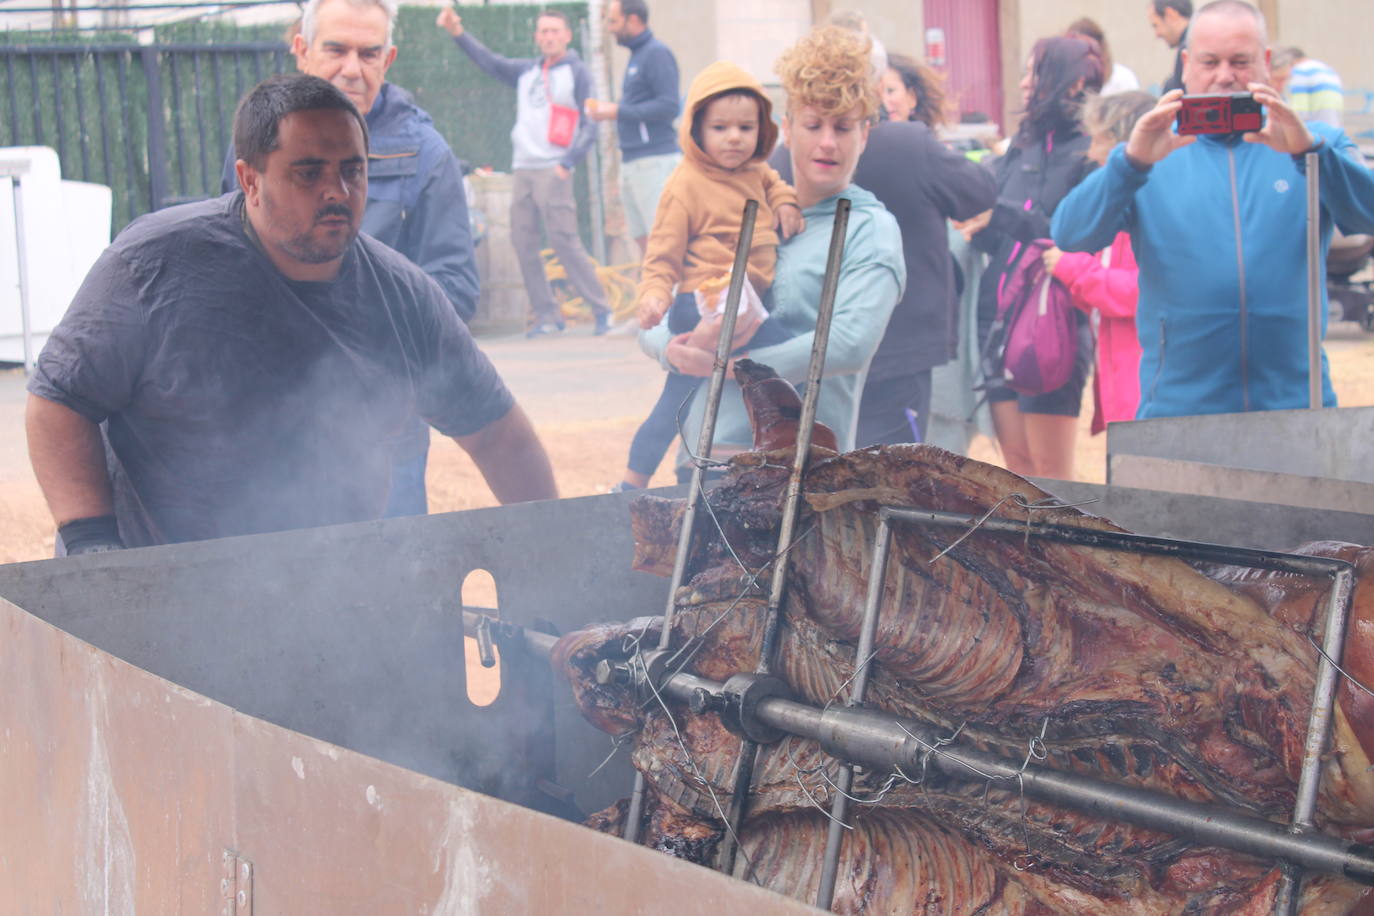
(1034,339)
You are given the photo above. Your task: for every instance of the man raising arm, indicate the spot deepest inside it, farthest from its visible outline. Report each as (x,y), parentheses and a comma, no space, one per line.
(549,140)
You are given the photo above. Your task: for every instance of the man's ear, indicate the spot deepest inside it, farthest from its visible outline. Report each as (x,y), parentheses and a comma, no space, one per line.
(250,180)
(298,51)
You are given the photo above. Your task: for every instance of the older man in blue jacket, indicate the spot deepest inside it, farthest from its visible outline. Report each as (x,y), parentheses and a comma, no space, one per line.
(1217,224)
(415,199)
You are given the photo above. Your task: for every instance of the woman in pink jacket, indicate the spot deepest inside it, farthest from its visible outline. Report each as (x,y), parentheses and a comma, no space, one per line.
(1105,284)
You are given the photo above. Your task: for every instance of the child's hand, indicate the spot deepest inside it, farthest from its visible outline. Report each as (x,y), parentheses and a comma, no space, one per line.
(651,311)
(1051,258)
(790,221)
(973,225)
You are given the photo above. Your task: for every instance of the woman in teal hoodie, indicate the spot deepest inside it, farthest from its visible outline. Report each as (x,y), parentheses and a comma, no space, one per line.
(825,127)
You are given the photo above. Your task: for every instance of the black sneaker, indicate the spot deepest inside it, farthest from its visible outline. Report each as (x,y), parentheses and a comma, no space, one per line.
(603,324)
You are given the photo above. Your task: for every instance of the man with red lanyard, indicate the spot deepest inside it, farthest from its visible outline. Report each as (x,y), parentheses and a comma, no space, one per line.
(549,140)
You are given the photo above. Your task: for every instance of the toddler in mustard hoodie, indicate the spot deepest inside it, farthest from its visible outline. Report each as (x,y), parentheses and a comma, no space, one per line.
(726,139)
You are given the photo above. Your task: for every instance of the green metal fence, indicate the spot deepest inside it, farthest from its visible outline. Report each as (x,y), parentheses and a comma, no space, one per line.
(153,121)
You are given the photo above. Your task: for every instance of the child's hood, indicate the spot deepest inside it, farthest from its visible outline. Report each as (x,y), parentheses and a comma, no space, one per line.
(717,78)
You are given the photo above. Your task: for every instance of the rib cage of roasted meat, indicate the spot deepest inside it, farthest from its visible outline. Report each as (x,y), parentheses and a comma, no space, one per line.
(1147,671)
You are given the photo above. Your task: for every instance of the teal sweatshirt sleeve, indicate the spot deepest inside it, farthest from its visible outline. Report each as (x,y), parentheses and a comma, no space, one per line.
(1100,207)
(654,342)
(869,286)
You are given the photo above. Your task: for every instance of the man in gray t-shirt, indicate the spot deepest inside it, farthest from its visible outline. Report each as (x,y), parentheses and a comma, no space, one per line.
(252,356)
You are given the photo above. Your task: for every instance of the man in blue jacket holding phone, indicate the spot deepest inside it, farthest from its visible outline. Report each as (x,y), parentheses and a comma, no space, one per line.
(1217,223)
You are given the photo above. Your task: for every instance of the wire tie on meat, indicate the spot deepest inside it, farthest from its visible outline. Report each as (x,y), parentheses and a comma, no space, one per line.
(1049,502)
(910,781)
(700,462)
(1347,675)
(859,801)
(934,749)
(691,761)
(815,803)
(1035,748)
(710,510)
(972,528)
(617,742)
(835,695)
(753,580)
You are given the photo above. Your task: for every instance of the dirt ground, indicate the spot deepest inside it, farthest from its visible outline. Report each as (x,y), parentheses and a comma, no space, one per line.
(586,396)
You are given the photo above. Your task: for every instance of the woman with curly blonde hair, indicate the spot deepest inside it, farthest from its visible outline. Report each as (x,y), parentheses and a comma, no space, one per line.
(830,104)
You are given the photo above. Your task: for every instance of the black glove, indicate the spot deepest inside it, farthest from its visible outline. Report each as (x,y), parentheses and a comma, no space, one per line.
(90,535)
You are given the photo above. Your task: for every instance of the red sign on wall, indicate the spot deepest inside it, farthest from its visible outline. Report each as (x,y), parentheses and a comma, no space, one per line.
(963,43)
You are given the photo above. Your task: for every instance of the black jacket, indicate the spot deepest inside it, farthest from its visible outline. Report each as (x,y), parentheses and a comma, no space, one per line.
(1031,181)
(1175,80)
(922,183)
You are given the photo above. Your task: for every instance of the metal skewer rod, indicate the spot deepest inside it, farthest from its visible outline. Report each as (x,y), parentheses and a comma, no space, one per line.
(744,770)
(1314,282)
(863,657)
(738,273)
(1318,731)
(882,740)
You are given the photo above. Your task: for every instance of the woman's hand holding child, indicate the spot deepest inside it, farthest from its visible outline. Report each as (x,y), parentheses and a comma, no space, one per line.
(651,311)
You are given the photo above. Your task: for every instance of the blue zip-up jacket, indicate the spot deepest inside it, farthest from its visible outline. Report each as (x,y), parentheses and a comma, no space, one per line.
(568,82)
(649,100)
(415,199)
(1218,228)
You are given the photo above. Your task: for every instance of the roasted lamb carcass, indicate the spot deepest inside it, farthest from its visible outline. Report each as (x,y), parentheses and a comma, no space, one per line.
(1138,669)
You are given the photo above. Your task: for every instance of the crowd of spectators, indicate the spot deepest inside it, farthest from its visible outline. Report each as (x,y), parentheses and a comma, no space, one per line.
(253,363)
(1136,243)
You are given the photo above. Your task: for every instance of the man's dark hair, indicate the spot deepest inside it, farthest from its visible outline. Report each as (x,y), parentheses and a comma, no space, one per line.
(555,14)
(1183,7)
(258,118)
(638,8)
